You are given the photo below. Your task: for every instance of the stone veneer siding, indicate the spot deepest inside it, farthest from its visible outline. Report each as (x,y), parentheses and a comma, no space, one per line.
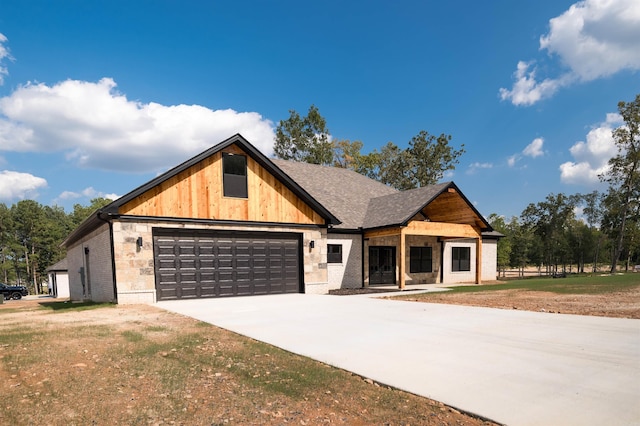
(98,281)
(135,266)
(347,274)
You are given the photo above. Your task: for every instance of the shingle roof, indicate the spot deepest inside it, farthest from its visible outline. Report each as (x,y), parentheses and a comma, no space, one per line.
(343,192)
(59,266)
(398,208)
(360,202)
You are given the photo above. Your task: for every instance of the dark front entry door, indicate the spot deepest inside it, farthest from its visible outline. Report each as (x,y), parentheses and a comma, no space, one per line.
(382,265)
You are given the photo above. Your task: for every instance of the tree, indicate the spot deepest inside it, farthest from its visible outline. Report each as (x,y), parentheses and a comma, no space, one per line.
(423,163)
(504,244)
(623,175)
(80,212)
(522,245)
(550,221)
(432,157)
(395,167)
(304,139)
(28,219)
(6,241)
(593,212)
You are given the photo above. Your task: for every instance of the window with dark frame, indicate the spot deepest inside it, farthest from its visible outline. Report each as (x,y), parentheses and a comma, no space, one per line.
(420,259)
(334,253)
(234,175)
(460,259)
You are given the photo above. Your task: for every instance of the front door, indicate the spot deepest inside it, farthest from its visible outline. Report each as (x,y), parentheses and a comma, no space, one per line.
(382,265)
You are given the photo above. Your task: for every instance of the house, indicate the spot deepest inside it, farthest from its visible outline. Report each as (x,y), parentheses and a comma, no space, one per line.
(232,222)
(58,279)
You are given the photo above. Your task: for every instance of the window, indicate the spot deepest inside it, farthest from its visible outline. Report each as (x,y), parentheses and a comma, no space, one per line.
(334,253)
(234,175)
(461,259)
(420,259)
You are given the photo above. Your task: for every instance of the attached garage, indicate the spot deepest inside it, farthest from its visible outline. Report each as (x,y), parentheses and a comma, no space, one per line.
(203,263)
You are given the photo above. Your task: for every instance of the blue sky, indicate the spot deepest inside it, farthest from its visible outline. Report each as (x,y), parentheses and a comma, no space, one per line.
(96,98)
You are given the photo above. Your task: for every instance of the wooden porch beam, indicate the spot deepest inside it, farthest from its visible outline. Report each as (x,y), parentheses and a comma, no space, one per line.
(382,232)
(479,260)
(403,259)
(442,229)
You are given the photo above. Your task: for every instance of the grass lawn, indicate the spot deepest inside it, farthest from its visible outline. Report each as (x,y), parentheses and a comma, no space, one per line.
(573,284)
(597,295)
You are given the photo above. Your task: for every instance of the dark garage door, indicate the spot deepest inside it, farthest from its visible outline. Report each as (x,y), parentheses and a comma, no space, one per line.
(196,263)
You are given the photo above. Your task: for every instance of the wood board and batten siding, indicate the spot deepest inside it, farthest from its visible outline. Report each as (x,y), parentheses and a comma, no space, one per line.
(197,193)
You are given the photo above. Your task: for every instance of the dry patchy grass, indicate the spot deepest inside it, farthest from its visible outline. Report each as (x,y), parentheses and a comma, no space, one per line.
(141,365)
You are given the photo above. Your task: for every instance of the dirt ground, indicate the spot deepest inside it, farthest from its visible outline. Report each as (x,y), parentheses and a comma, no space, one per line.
(139,365)
(625,304)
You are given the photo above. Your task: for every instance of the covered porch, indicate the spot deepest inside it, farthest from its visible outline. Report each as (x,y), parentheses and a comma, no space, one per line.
(415,253)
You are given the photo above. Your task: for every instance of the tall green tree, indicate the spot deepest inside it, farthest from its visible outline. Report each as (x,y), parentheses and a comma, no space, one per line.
(395,167)
(28,219)
(305,139)
(7,240)
(432,156)
(623,175)
(424,162)
(593,210)
(550,220)
(522,245)
(504,244)
(80,212)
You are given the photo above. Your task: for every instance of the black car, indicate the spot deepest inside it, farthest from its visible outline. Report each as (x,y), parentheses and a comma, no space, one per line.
(13,291)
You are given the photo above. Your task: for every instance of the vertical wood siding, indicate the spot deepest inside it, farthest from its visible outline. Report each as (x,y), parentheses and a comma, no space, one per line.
(197,193)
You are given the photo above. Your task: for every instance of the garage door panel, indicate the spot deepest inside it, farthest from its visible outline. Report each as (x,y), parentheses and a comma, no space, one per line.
(198,263)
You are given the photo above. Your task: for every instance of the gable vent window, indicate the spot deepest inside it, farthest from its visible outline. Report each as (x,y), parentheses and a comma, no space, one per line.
(461,259)
(234,175)
(334,253)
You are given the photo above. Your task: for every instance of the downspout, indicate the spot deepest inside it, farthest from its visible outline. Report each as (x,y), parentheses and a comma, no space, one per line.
(362,255)
(113,257)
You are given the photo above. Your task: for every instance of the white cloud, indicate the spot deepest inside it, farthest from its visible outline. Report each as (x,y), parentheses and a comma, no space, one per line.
(97,127)
(526,90)
(4,54)
(592,39)
(474,167)
(534,149)
(591,157)
(19,186)
(88,193)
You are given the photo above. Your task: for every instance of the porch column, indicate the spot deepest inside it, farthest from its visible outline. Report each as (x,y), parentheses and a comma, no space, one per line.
(403,261)
(479,260)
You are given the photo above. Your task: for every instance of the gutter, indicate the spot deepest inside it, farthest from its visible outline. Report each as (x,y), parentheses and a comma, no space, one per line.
(113,258)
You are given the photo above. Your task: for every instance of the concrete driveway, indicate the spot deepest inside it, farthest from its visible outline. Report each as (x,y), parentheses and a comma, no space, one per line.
(514,367)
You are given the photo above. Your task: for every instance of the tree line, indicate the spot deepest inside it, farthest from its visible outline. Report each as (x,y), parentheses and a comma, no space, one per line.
(549,233)
(30,238)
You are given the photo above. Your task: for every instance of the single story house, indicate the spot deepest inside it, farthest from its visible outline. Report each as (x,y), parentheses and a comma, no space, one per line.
(232,222)
(58,279)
